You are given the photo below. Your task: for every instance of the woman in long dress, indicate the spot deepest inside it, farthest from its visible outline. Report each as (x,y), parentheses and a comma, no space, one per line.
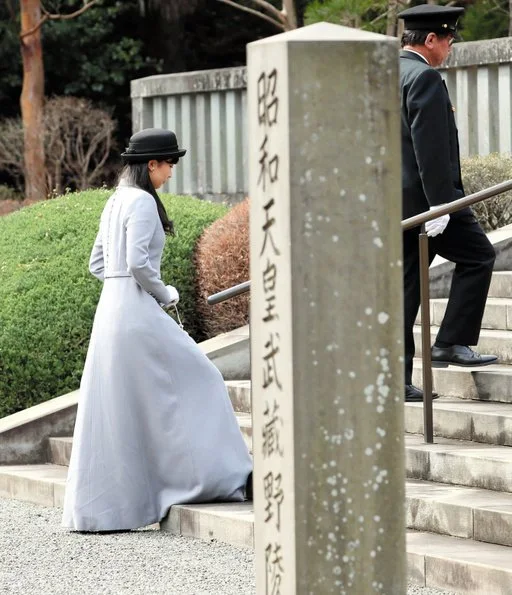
(155,426)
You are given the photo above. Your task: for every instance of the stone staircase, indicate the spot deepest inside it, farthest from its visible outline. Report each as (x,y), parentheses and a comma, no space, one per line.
(458,492)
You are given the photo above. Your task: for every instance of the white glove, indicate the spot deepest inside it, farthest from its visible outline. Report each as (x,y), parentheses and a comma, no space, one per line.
(436,226)
(174,296)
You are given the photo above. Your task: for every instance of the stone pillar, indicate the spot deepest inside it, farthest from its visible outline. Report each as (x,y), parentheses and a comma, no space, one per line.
(326,312)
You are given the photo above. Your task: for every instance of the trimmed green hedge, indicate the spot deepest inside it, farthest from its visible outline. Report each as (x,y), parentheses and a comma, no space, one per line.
(48,298)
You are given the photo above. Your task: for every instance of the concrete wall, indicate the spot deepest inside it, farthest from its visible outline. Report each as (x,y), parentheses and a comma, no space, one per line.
(207,110)
(479,78)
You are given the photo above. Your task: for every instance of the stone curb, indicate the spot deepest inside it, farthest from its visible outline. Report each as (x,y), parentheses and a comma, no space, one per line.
(24,435)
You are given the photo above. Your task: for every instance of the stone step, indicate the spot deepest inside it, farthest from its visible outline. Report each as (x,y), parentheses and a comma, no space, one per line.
(441,561)
(501,284)
(497,314)
(476,421)
(452,461)
(491,341)
(230,353)
(245,423)
(469,513)
(240,394)
(231,522)
(459,462)
(487,383)
(462,565)
(42,484)
(59,450)
(489,422)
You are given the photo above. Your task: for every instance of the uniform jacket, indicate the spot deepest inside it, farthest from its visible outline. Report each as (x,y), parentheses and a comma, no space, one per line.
(430,146)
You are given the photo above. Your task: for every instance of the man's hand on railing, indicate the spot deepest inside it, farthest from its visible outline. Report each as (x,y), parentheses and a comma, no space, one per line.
(436,226)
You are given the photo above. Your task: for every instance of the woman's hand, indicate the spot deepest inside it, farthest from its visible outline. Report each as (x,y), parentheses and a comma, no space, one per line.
(174,297)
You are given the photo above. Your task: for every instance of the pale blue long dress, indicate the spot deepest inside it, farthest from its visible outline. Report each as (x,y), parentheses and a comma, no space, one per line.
(155,426)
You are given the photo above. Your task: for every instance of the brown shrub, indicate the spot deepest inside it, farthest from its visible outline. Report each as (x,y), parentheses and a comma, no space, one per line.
(480,172)
(222,260)
(78,141)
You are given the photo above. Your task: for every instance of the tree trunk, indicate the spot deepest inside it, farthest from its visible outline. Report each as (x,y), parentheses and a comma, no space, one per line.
(510,18)
(391,19)
(32,99)
(291,13)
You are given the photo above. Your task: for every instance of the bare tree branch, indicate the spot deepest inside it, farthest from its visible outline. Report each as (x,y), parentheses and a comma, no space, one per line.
(72,15)
(34,29)
(265,17)
(11,150)
(78,139)
(271,9)
(57,17)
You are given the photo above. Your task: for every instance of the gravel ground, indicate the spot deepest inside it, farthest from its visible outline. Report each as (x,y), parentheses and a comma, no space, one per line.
(38,557)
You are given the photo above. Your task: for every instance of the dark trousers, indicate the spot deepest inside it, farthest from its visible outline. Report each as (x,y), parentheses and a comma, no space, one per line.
(464,243)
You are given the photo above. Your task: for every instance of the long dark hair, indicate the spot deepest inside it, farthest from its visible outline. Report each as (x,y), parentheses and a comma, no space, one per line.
(137,174)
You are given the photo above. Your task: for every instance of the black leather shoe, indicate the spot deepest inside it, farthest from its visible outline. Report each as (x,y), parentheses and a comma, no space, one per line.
(413,394)
(248,487)
(461,355)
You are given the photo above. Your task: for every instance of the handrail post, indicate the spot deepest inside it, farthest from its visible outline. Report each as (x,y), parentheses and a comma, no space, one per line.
(428,429)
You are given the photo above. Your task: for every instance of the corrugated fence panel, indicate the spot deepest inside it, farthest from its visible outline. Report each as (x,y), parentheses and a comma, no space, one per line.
(493,107)
(187,168)
(472,113)
(243,175)
(203,144)
(218,141)
(478,76)
(481,106)
(504,108)
(482,115)
(207,110)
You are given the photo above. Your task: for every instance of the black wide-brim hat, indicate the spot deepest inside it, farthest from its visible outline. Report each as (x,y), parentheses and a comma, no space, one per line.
(152,143)
(429,17)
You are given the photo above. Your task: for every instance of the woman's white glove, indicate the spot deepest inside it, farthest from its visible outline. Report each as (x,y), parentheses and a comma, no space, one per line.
(174,296)
(436,226)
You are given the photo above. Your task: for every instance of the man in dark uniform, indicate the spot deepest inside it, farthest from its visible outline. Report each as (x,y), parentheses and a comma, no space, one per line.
(431,177)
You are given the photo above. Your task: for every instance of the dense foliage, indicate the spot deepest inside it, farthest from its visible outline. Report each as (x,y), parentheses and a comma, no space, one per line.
(482,19)
(486,19)
(96,54)
(364,14)
(48,298)
(480,172)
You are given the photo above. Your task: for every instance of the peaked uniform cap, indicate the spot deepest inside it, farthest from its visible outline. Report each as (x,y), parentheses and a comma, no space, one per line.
(428,17)
(152,143)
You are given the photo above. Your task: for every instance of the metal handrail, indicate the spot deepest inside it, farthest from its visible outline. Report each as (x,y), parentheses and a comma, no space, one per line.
(417,220)
(227,294)
(456,205)
(421,219)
